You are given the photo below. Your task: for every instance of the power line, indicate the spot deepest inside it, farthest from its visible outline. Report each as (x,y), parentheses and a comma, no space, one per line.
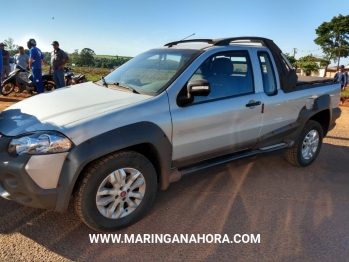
(310,50)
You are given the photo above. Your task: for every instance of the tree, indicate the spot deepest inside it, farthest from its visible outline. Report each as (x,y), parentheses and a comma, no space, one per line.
(47,56)
(74,57)
(324,62)
(333,38)
(10,46)
(86,57)
(309,64)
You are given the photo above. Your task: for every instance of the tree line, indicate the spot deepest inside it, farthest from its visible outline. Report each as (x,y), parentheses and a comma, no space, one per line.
(84,58)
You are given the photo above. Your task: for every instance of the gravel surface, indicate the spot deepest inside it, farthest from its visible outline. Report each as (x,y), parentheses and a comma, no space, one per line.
(301,214)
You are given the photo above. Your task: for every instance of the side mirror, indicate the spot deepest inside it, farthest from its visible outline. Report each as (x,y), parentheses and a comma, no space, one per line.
(198,87)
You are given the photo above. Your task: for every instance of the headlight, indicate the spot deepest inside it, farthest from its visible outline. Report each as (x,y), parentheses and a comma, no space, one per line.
(38,143)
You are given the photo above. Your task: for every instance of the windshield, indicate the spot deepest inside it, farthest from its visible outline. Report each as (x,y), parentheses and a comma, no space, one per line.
(151,71)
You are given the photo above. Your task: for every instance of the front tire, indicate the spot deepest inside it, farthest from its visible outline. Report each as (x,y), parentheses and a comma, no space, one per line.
(50,86)
(308,145)
(69,82)
(115,191)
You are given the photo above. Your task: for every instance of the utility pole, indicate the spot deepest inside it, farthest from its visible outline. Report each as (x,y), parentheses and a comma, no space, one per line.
(294,52)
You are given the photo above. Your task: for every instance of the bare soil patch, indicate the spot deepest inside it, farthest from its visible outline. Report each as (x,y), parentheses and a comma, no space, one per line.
(6,101)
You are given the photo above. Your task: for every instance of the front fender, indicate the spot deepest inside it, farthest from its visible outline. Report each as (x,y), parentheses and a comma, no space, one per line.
(10,79)
(111,141)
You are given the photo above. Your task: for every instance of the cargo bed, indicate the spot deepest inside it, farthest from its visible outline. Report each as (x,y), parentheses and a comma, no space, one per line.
(307,80)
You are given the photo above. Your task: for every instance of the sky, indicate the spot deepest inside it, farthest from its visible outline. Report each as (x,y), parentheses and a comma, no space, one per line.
(130,27)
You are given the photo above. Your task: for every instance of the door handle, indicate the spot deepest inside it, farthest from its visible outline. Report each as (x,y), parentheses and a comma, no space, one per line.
(250,104)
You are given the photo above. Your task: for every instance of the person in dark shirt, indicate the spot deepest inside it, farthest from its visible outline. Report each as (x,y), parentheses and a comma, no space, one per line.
(0,73)
(6,68)
(35,59)
(58,60)
(342,77)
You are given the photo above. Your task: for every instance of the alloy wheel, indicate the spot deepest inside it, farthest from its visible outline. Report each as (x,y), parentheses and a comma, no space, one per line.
(310,144)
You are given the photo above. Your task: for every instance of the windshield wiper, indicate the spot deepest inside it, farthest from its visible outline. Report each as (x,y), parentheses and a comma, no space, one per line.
(124,85)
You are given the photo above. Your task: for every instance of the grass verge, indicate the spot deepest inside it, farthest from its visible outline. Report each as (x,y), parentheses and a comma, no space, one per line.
(91,73)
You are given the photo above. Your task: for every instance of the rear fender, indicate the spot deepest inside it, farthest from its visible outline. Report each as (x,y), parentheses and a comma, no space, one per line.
(321,103)
(289,134)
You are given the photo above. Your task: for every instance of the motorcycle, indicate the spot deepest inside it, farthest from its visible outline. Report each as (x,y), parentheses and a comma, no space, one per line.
(71,79)
(18,81)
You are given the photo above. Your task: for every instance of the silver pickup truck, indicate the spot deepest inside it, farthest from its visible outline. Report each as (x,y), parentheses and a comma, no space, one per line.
(166,113)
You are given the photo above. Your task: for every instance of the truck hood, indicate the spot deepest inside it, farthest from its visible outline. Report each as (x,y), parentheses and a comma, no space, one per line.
(53,110)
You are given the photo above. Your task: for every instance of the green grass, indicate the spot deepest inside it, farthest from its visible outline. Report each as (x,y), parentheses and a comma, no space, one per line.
(91,73)
(345,93)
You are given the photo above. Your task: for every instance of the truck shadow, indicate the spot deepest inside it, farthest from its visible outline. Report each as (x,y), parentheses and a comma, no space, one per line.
(2,99)
(294,210)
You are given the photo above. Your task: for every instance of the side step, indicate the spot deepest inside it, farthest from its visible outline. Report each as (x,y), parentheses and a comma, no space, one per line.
(212,163)
(273,147)
(177,174)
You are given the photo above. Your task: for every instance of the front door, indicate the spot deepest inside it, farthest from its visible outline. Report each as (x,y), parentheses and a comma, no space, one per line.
(227,120)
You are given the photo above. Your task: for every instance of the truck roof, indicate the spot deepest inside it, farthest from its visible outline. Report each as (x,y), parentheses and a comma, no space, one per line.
(288,77)
(251,41)
(207,46)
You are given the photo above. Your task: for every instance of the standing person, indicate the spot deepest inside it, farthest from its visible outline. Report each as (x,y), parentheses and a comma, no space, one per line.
(0,73)
(58,60)
(6,68)
(35,59)
(21,58)
(342,77)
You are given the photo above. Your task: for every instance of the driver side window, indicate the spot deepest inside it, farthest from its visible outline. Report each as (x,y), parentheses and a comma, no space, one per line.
(229,74)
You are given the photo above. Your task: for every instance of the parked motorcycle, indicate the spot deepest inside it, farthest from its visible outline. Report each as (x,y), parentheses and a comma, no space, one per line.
(18,81)
(71,79)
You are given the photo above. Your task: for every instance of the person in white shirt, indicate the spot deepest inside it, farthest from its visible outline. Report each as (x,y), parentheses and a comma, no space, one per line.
(21,58)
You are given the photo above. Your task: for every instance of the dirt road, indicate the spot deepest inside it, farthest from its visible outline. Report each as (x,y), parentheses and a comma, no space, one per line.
(301,214)
(12,98)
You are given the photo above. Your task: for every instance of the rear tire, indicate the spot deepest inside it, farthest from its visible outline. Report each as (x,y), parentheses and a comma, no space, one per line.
(115,191)
(7,88)
(307,146)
